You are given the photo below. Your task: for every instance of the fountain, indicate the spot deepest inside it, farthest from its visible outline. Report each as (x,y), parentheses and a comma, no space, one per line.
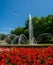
(44,35)
(22,38)
(31,38)
(30,30)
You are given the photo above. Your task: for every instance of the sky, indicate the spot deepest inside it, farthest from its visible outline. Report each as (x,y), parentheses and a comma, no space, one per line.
(14,13)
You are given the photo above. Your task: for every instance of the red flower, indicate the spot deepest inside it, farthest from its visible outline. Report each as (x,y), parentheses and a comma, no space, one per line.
(26,56)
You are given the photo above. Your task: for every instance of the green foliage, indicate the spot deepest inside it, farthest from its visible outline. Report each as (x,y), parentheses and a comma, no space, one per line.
(2,36)
(17,31)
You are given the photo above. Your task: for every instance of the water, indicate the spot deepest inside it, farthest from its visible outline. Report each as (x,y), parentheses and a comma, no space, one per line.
(30,30)
(13,41)
(44,35)
(22,38)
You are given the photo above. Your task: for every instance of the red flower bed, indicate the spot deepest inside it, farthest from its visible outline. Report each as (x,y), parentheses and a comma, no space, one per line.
(26,56)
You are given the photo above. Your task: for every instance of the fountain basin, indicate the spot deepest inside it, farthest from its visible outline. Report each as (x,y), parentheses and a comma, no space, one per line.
(25,45)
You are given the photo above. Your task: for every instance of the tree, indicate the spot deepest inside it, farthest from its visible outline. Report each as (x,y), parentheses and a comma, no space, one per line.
(2,36)
(17,31)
